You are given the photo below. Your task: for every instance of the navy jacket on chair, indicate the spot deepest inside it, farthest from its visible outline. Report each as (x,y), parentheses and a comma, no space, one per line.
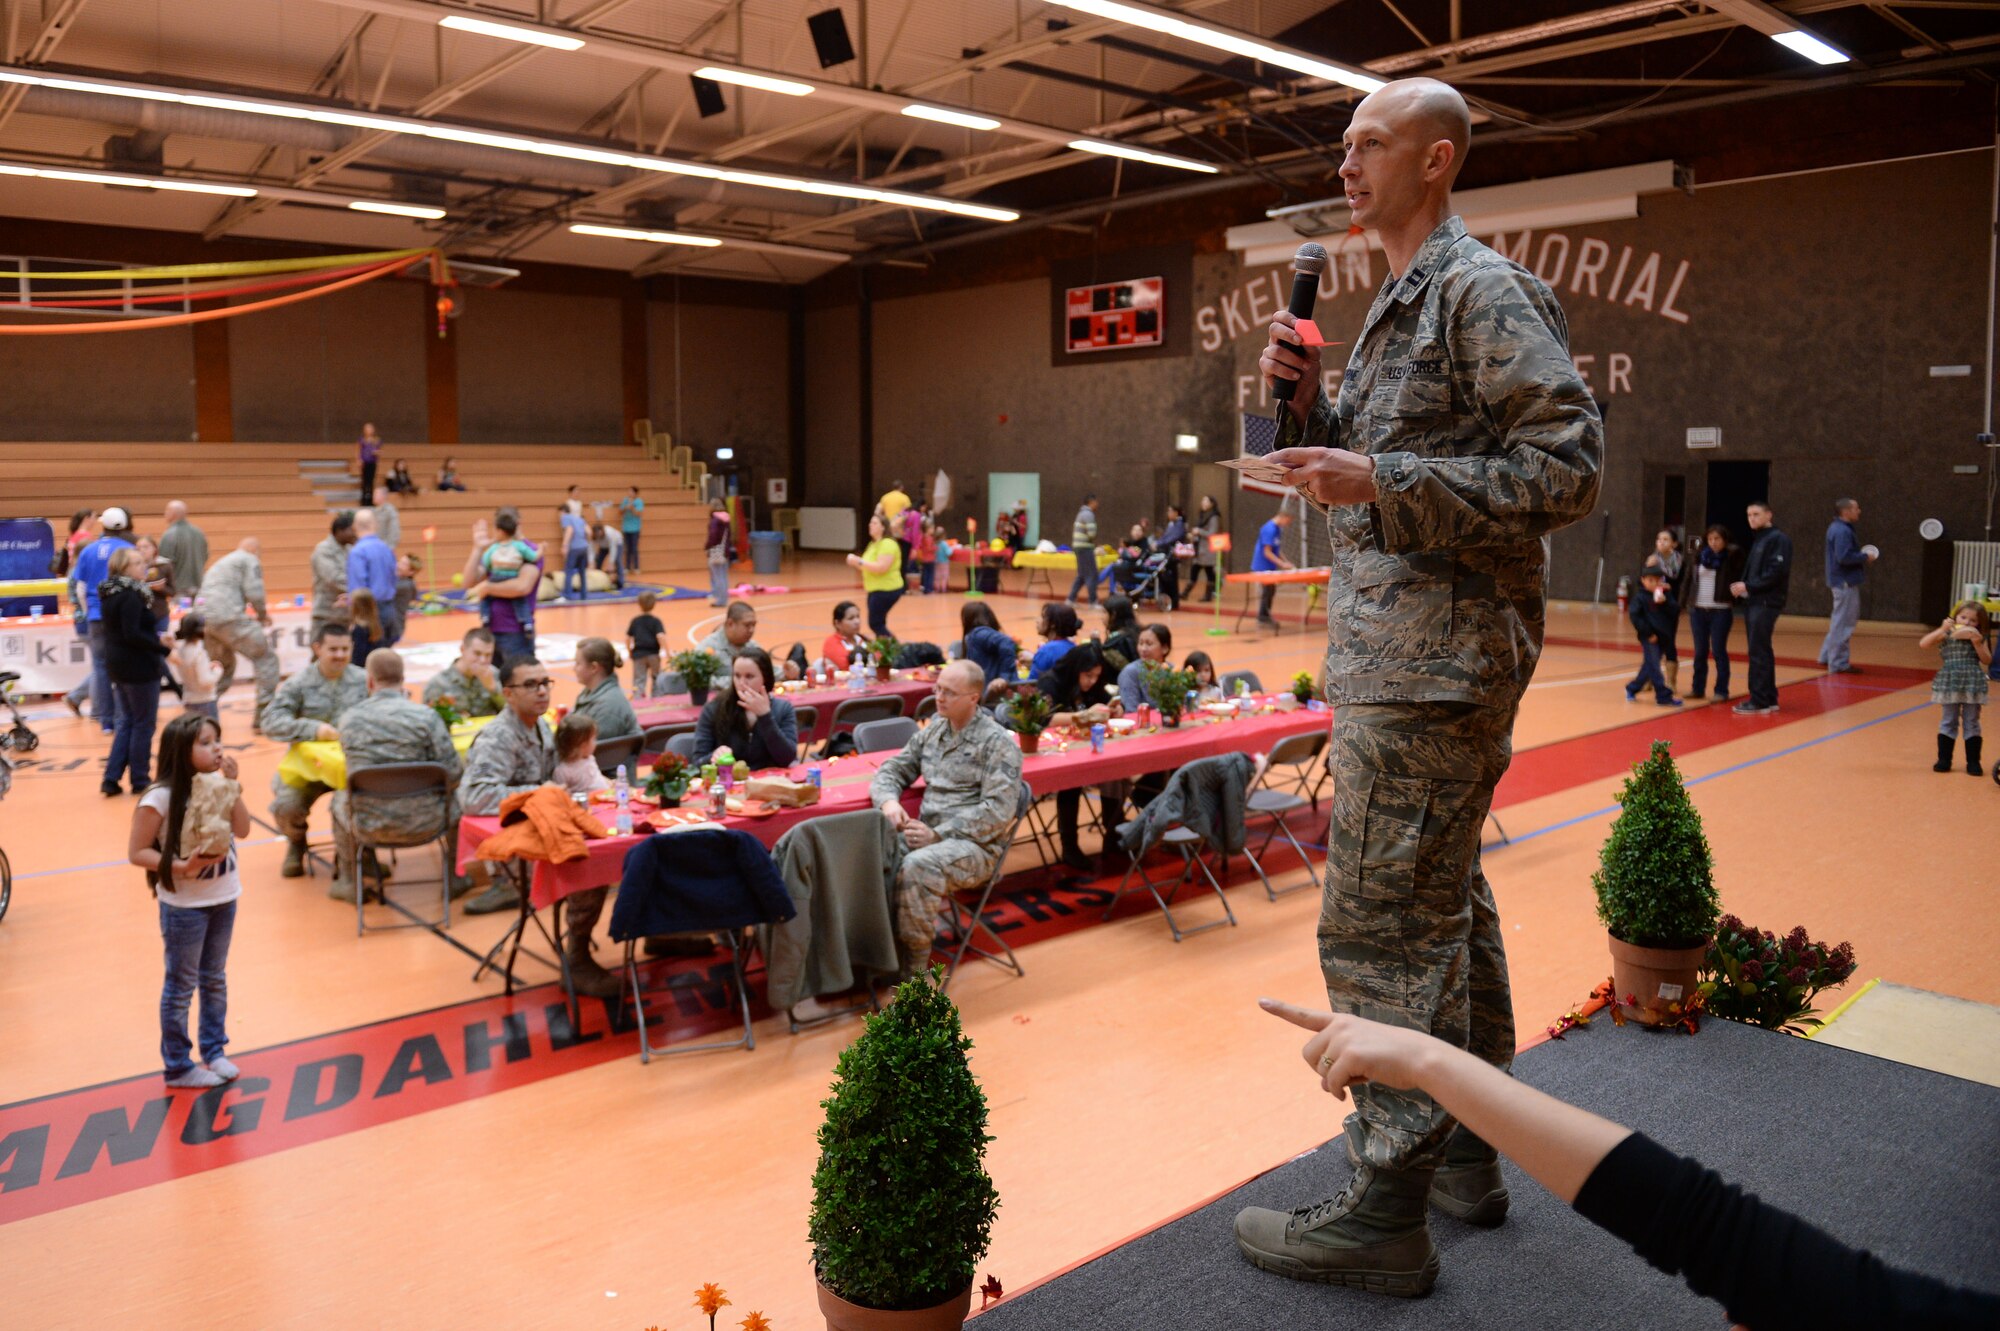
(687,882)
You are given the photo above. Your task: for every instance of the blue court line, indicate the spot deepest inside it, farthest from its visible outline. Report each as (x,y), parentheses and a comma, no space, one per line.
(1726,771)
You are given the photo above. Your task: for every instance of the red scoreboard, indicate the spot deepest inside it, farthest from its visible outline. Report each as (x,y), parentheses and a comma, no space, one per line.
(1112,316)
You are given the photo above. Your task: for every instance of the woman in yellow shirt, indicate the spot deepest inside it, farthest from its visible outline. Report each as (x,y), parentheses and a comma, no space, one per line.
(881,565)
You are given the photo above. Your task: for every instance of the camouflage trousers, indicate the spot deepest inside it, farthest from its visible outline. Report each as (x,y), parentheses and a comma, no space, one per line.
(230,638)
(1408,934)
(291,806)
(928,876)
(397,824)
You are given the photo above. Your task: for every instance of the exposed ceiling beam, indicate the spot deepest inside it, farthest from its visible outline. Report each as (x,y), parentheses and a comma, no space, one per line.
(54,28)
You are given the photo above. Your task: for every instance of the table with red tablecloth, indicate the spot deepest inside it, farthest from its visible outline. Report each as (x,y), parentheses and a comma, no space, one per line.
(912,686)
(1308,579)
(1064,763)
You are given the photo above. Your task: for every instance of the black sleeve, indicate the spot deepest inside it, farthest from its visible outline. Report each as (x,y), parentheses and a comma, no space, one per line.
(1768,1268)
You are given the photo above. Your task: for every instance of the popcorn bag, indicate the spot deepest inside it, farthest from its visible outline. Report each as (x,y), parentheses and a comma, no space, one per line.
(205,827)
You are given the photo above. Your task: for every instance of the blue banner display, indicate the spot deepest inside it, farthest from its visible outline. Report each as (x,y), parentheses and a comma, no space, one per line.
(26,547)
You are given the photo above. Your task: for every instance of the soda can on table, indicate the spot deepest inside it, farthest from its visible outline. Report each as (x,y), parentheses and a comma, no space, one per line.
(813,776)
(1097,738)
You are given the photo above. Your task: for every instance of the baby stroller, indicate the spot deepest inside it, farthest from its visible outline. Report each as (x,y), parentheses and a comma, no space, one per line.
(20,737)
(1139,577)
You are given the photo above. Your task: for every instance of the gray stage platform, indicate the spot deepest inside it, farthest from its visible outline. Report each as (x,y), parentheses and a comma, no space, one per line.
(1896,1159)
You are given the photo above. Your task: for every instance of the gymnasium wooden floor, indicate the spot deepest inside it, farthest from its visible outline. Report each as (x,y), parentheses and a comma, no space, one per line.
(1129,1077)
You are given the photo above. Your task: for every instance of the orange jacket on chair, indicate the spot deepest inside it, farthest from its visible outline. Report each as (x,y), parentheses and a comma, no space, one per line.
(541,824)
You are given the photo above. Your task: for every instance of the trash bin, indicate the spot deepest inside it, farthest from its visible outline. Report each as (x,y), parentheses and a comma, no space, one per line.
(767,552)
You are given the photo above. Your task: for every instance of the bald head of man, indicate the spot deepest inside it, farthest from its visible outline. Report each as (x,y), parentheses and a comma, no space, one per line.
(176,510)
(250,545)
(364,523)
(1404,147)
(959,686)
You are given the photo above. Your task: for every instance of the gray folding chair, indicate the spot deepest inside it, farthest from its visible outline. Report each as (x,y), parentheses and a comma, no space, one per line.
(927,708)
(968,922)
(807,719)
(1228,682)
(1291,756)
(668,682)
(656,737)
(851,712)
(683,744)
(427,786)
(621,749)
(891,732)
(1187,843)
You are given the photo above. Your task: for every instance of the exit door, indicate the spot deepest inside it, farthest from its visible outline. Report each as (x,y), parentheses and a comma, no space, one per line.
(1733,487)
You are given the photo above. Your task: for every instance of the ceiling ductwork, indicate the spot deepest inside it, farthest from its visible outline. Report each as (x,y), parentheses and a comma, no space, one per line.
(153,120)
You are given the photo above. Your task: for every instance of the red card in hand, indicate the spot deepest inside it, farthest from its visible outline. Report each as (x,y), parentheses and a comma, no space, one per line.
(1309,333)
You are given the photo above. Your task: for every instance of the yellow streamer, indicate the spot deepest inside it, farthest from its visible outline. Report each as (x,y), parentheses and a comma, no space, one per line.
(245,268)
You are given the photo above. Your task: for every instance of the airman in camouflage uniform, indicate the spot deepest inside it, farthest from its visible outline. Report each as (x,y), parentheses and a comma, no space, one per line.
(238,624)
(515,752)
(464,683)
(971,768)
(308,705)
(382,729)
(329,573)
(1476,438)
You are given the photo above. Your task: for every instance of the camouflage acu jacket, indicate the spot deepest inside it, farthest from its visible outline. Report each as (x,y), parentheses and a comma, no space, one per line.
(1485,440)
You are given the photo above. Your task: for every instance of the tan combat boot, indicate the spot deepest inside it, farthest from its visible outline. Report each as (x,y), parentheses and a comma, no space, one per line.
(586,977)
(1468,1183)
(1372,1236)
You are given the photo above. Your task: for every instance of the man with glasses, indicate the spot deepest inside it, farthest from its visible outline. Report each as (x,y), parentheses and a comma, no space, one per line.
(515,752)
(971,769)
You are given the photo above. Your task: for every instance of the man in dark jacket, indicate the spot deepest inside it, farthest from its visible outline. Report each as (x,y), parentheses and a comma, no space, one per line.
(1767,579)
(1847,564)
(134,655)
(1653,613)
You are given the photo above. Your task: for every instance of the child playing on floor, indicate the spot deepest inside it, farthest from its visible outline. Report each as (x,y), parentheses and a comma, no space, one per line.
(197,896)
(1653,614)
(642,644)
(198,672)
(576,756)
(1206,687)
(1960,683)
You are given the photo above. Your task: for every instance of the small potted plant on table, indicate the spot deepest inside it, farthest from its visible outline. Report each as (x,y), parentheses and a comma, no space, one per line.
(667,780)
(1656,891)
(1169,689)
(902,1204)
(699,669)
(1027,714)
(883,652)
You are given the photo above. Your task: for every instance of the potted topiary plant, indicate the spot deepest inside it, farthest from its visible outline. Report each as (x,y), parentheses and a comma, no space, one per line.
(902,1205)
(1168,689)
(1027,714)
(699,669)
(1656,891)
(1303,688)
(1768,981)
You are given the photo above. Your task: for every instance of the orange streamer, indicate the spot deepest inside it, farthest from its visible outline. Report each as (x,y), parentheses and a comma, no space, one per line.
(202,316)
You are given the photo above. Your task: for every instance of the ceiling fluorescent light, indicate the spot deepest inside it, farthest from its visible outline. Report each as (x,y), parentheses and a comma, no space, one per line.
(1106,148)
(1811,47)
(396,209)
(1223,39)
(129,182)
(655,237)
(948,117)
(743,78)
(511,33)
(512,143)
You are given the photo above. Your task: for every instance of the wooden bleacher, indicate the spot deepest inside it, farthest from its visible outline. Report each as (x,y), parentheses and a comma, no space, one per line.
(267,490)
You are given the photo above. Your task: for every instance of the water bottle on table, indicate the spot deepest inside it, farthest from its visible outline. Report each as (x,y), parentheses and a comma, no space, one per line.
(621,790)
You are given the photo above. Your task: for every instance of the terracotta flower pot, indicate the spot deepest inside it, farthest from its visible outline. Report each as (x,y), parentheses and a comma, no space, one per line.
(882,674)
(1029,743)
(844,1316)
(1654,976)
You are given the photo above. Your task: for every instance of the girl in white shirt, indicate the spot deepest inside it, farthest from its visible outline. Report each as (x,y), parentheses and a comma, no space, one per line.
(198,672)
(197,898)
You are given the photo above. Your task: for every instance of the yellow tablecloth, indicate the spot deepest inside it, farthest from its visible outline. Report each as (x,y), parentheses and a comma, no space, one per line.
(320,761)
(1062,560)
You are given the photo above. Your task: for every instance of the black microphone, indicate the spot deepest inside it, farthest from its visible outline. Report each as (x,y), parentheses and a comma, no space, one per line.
(1307,265)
